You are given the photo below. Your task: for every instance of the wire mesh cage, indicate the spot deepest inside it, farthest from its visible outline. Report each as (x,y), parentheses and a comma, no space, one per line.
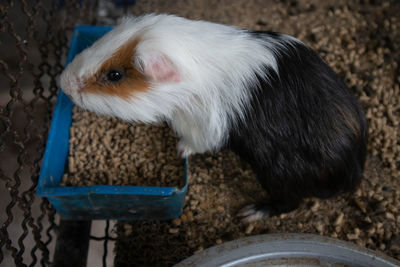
(33,39)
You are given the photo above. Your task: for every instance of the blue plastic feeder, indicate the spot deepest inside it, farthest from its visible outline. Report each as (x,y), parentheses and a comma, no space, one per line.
(99,201)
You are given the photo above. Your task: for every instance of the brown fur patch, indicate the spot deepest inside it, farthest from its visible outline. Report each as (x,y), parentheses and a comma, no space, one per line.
(133,80)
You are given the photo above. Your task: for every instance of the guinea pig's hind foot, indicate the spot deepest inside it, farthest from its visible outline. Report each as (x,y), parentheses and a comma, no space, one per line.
(254,212)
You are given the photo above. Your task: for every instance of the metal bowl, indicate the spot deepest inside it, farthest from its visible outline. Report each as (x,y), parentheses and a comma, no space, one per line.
(289,250)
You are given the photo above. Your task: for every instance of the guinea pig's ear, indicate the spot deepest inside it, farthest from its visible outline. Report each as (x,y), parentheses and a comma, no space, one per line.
(158,67)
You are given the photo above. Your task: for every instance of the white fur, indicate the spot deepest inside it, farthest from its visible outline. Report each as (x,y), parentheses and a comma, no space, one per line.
(250,213)
(216,65)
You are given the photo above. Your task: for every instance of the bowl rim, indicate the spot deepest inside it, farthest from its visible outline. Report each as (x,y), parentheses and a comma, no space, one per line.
(288,246)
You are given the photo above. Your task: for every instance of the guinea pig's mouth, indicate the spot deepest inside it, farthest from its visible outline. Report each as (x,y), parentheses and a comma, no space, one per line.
(77,97)
(67,93)
(72,94)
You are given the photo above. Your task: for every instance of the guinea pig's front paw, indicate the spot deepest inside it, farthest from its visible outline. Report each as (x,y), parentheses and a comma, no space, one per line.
(184,150)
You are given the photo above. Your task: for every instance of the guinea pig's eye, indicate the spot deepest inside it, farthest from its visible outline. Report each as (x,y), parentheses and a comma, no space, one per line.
(114,75)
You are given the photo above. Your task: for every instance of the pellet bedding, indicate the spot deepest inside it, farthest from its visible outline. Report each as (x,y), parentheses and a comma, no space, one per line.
(108,151)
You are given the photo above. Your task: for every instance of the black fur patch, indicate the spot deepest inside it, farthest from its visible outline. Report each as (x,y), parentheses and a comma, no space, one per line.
(304,133)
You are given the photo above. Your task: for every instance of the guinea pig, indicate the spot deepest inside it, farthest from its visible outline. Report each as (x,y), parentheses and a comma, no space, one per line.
(265,95)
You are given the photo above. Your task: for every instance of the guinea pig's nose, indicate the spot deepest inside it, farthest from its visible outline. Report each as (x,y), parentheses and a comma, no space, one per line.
(63,82)
(70,85)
